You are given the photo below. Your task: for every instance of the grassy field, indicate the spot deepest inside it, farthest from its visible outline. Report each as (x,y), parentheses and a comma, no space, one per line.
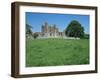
(53,52)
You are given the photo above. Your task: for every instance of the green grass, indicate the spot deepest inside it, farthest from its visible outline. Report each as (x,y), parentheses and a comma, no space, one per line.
(53,52)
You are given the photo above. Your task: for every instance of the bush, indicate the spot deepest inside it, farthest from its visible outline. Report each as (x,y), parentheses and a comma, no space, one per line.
(35,35)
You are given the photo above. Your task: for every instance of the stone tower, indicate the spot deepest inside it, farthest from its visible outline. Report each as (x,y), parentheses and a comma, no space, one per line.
(49,31)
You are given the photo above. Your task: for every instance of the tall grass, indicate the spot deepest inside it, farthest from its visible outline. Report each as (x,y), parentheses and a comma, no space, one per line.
(53,52)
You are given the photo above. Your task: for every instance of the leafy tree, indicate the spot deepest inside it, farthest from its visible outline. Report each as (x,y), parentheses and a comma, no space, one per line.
(74,29)
(28,29)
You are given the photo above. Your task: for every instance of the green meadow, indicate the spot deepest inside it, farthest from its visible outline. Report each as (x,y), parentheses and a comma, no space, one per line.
(54,52)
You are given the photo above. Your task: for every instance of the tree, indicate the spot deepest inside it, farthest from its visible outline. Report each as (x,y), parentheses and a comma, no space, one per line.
(28,29)
(74,29)
(35,35)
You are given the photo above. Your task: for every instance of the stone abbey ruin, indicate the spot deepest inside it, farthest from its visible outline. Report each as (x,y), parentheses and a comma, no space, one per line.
(48,31)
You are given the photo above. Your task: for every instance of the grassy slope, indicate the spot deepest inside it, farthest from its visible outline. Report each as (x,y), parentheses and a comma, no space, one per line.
(52,52)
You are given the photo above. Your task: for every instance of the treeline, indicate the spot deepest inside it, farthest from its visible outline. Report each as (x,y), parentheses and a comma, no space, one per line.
(74,29)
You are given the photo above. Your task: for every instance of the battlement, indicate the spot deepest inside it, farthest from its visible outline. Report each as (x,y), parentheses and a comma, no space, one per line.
(50,31)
